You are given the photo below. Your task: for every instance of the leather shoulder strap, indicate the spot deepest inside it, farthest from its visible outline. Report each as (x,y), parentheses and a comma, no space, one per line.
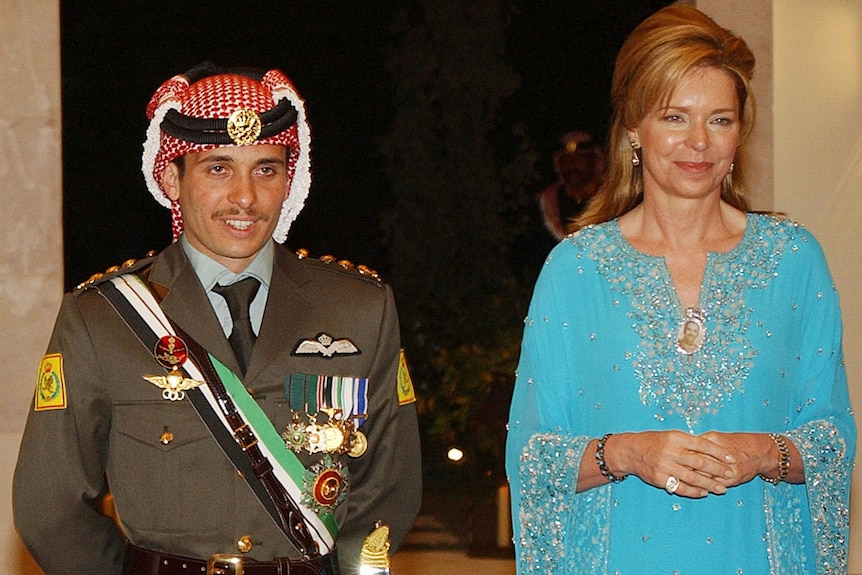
(131,297)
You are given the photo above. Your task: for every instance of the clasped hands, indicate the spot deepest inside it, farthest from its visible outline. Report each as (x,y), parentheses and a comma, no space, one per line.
(710,463)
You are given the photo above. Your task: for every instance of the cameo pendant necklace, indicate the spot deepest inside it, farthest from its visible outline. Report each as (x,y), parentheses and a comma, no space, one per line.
(691,331)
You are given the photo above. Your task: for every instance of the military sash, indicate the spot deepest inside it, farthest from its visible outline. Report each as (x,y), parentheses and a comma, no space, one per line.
(131,297)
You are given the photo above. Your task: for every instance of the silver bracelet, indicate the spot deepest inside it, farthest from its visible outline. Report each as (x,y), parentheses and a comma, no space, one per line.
(783,460)
(600,460)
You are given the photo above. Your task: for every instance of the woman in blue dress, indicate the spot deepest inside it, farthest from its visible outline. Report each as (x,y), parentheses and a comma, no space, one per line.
(681,403)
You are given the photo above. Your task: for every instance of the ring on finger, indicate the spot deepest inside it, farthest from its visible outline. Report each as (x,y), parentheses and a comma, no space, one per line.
(671,485)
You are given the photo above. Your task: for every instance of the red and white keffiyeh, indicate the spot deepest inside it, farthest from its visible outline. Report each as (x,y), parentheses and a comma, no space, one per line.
(217,97)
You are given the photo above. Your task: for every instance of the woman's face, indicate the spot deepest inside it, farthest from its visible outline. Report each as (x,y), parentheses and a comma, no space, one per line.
(687,148)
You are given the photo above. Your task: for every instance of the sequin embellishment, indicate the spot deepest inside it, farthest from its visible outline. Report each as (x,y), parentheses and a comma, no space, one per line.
(691,385)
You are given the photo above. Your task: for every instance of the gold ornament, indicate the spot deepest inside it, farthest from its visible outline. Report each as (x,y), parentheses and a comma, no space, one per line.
(375,549)
(174,384)
(360,444)
(243,127)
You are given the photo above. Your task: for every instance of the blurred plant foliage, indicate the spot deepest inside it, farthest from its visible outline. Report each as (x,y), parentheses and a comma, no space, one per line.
(459,171)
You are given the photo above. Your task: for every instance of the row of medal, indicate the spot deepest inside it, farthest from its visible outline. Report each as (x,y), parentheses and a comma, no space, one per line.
(336,435)
(324,483)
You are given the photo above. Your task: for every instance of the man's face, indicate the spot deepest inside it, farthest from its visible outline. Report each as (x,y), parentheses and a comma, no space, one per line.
(691,331)
(230,199)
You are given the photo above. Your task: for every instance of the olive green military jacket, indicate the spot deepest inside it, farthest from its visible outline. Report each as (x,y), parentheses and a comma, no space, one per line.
(183,496)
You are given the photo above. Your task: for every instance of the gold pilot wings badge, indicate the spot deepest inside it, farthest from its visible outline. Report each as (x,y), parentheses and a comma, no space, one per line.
(325,345)
(173,384)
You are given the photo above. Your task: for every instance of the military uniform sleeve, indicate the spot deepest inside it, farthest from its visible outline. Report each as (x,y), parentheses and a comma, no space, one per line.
(385,483)
(59,480)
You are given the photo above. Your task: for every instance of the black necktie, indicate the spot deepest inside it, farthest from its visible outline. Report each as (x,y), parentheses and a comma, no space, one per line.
(238,297)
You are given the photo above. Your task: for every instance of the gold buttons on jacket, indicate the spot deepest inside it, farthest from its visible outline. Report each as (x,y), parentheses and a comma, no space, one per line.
(166,436)
(245,544)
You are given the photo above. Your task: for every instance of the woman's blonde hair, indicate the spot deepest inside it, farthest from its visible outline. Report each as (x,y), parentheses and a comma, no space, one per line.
(651,63)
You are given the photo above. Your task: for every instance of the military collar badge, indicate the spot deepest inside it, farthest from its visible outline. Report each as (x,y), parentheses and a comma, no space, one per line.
(325,345)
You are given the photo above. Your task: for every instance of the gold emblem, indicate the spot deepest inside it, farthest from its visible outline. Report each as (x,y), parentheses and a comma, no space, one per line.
(243,127)
(360,445)
(245,544)
(374,556)
(174,385)
(336,435)
(332,437)
(314,436)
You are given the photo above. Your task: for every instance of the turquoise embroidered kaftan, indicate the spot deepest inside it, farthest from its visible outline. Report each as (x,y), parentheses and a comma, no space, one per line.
(600,355)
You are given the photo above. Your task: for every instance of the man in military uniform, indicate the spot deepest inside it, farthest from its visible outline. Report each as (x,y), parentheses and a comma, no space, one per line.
(265,436)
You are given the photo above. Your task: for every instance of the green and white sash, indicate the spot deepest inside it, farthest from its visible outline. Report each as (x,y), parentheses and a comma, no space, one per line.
(131,297)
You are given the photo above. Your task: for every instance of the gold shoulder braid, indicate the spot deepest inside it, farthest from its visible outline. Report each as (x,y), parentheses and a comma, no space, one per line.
(374,557)
(113,270)
(364,270)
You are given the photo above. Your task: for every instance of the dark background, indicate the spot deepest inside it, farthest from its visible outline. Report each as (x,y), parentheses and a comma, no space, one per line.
(434,124)
(115,54)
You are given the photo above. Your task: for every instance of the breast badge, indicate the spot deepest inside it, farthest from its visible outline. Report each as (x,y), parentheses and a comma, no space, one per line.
(324,485)
(325,345)
(170,351)
(174,384)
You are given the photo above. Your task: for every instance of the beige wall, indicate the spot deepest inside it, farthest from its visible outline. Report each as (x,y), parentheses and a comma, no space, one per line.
(31,251)
(752,19)
(809,75)
(818,162)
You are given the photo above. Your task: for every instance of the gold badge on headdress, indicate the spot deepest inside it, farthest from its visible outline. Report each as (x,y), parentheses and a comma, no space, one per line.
(243,127)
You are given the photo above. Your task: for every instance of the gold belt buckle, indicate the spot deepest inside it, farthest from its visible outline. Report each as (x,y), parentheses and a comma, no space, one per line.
(222,564)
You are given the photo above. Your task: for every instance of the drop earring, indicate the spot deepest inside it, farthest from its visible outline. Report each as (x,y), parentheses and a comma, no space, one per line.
(636,161)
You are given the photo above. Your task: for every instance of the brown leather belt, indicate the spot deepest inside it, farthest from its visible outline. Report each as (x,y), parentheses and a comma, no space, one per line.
(141,561)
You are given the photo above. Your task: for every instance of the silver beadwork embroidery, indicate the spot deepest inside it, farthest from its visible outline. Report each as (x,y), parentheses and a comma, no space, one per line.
(691,385)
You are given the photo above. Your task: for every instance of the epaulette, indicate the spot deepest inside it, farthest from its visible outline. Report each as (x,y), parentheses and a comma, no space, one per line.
(125,267)
(347,265)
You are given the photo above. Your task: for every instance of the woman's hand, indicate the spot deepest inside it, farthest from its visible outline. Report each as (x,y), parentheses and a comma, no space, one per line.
(700,465)
(756,454)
